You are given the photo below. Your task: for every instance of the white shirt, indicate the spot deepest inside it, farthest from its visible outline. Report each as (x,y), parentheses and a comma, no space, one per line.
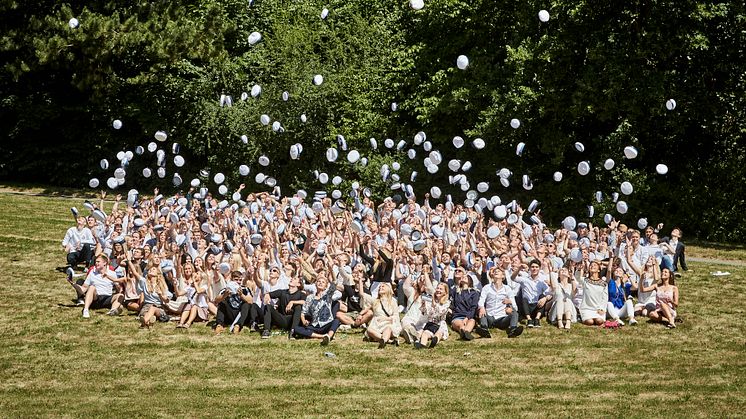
(77,238)
(104,286)
(491,299)
(533,288)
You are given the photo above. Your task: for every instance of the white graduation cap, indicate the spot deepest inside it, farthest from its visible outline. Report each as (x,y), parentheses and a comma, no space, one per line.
(515,123)
(642,223)
(161,135)
(236,196)
(318,79)
(435,192)
(373,144)
(222,189)
(505,182)
(259,178)
(436,157)
(264,160)
(270,181)
(244,139)
(419,138)
(584,168)
(670,104)
(243,170)
(139,150)
(591,211)
(256,90)
(389,143)
(332,154)
(324,13)
(519,148)
(427,146)
(277,127)
(218,178)
(264,119)
(462,62)
(608,218)
(395,166)
(117,124)
(454,165)
(557,176)
(662,169)
(394,106)
(609,164)
(500,212)
(482,187)
(411,153)
(466,166)
(400,145)
(323,178)
(579,146)
(458,142)
(569,223)
(73,23)
(176,179)
(615,196)
(336,180)
(254,37)
(630,152)
(527,183)
(104,164)
(303,118)
(437,230)
(512,219)
(413,176)
(178,161)
(576,255)
(533,206)
(626,188)
(416,4)
(543,16)
(93,183)
(244,96)
(478,143)
(145,173)
(285,96)
(621,207)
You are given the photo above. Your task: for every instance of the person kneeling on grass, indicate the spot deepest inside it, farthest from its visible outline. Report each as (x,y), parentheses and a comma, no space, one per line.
(434,311)
(317,317)
(98,288)
(497,307)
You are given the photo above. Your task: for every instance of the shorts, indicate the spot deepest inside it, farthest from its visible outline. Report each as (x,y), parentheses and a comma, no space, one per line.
(145,308)
(458,318)
(202,312)
(431,327)
(649,307)
(101,301)
(591,315)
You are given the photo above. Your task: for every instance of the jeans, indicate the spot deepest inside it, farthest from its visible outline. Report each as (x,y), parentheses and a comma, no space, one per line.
(502,323)
(84,255)
(307,331)
(272,316)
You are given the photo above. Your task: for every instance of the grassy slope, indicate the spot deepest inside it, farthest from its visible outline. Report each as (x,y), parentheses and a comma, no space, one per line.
(54,363)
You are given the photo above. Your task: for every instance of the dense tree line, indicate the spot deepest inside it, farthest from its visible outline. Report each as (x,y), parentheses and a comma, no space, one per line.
(595,73)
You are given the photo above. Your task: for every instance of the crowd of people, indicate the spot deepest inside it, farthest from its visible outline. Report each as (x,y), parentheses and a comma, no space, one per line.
(404,271)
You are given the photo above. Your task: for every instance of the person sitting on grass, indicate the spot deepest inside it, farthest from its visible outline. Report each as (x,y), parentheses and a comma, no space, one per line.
(533,287)
(595,294)
(666,300)
(464,304)
(79,244)
(434,311)
(155,296)
(497,306)
(564,289)
(317,316)
(414,320)
(385,326)
(196,292)
(285,312)
(646,287)
(98,288)
(620,299)
(233,304)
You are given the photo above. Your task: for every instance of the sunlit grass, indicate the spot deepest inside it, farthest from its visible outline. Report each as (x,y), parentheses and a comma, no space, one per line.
(55,363)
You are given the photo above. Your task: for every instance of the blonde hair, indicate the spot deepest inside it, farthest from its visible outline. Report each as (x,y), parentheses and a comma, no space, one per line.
(386,298)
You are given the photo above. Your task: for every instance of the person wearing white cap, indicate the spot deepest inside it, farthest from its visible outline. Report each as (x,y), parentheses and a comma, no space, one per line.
(497,306)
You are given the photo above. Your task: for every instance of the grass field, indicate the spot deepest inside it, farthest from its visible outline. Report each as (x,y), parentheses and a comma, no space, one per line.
(54,363)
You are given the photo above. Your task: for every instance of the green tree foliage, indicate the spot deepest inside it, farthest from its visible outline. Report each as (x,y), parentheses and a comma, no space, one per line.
(597,73)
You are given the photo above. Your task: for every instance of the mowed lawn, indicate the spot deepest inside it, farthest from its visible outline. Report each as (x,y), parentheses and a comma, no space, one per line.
(54,363)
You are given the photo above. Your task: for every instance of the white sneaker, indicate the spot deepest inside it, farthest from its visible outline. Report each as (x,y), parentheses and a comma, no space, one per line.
(632,322)
(401,309)
(344,328)
(621,323)
(86,314)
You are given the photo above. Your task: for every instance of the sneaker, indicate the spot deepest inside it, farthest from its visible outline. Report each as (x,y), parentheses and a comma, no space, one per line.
(113,312)
(530,323)
(418,345)
(396,342)
(345,328)
(515,332)
(79,302)
(537,323)
(381,344)
(482,332)
(164,317)
(254,327)
(290,334)
(325,340)
(468,336)
(632,322)
(86,314)
(401,309)
(433,341)
(621,323)
(266,334)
